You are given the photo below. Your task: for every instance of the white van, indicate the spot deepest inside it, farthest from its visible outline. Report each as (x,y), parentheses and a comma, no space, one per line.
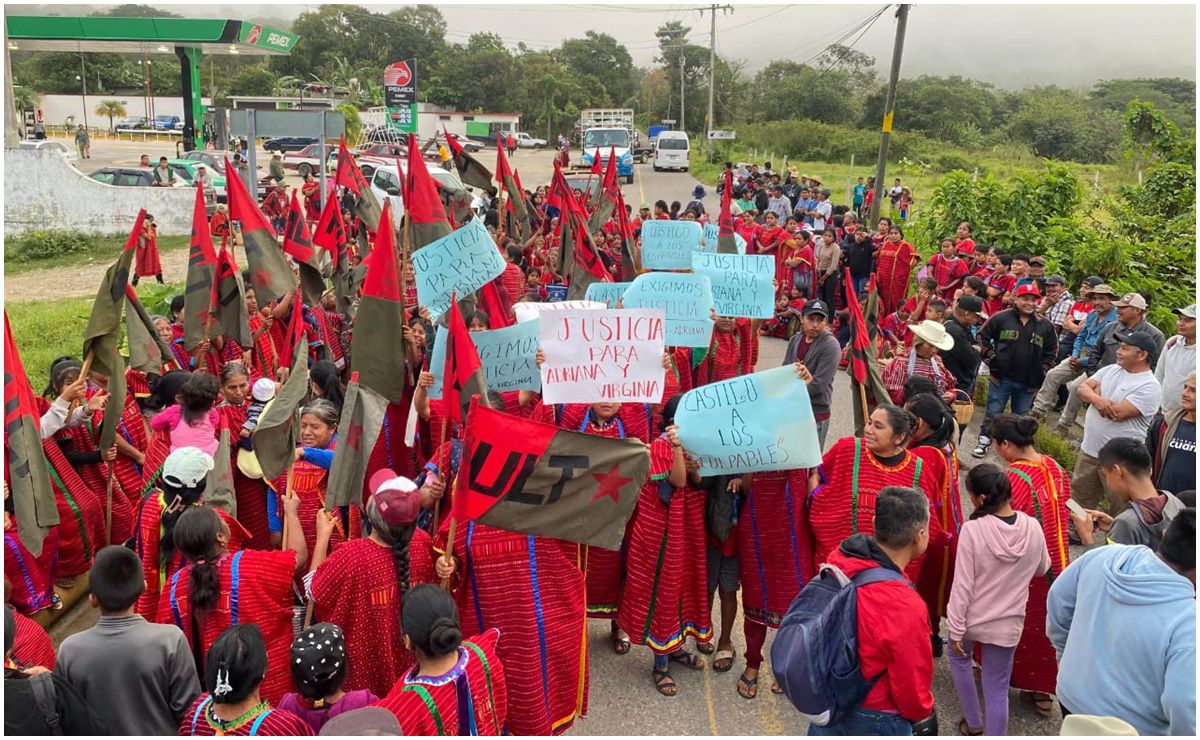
(671,151)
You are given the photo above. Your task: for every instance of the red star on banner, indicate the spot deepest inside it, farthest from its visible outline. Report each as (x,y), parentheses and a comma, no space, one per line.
(610,484)
(261,278)
(354,437)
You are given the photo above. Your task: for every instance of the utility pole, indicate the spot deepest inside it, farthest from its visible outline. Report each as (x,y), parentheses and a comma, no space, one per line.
(682,126)
(889,110)
(712,70)
(83,87)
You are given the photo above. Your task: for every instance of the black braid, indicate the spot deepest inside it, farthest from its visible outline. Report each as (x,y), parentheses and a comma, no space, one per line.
(401,537)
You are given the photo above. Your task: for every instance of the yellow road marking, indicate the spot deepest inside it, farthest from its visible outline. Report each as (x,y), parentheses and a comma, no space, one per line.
(708,698)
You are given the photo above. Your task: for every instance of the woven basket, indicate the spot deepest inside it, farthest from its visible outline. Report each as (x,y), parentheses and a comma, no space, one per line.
(964,410)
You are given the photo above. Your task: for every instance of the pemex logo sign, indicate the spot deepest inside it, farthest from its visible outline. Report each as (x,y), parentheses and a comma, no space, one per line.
(268,38)
(400,94)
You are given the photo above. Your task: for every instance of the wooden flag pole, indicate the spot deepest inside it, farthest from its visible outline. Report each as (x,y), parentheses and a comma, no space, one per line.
(112,466)
(405,246)
(450,540)
(83,373)
(862,397)
(287,493)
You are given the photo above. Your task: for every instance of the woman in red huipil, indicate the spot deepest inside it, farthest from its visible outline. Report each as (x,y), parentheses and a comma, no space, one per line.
(853,472)
(264,359)
(677,380)
(894,264)
(748,229)
(147,262)
(251,493)
(31,645)
(603,568)
(183,483)
(771,238)
(665,598)
(311,192)
(1040,489)
(359,587)
(132,440)
(733,351)
(218,589)
(32,578)
(458,687)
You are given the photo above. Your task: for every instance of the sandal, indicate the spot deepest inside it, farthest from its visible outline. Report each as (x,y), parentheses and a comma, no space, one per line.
(706,647)
(747,688)
(664,683)
(965,729)
(1042,702)
(621,645)
(689,660)
(723,660)
(776,688)
(65,582)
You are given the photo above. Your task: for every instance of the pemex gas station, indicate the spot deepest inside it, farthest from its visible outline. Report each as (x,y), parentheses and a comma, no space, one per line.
(188,38)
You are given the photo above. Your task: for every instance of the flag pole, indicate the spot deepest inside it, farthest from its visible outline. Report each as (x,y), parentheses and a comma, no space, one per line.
(450,541)
(862,397)
(444,471)
(112,466)
(287,493)
(83,373)
(405,245)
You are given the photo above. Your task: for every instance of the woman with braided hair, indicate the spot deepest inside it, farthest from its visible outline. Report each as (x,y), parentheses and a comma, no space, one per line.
(234,673)
(218,589)
(359,586)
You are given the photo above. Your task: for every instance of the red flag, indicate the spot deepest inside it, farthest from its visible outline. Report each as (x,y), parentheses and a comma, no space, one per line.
(349,175)
(860,340)
(296,239)
(380,319)
(422,205)
(597,168)
(330,233)
(493,305)
(471,170)
(269,271)
(296,328)
(502,168)
(462,377)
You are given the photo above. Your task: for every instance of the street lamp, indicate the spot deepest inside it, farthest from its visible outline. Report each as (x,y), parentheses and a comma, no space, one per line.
(82,77)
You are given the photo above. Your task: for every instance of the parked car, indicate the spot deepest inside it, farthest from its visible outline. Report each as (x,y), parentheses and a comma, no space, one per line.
(307,160)
(288,143)
(137,123)
(134,177)
(214,160)
(385,182)
(167,122)
(382,149)
(469,145)
(47,145)
(185,171)
(525,141)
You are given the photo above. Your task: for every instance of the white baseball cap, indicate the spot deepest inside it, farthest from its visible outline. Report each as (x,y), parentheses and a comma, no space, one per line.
(186,467)
(263,390)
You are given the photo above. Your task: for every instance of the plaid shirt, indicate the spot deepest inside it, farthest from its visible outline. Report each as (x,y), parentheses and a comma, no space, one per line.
(1058,312)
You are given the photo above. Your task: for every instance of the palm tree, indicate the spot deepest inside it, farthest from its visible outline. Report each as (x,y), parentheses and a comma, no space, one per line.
(110,108)
(24,98)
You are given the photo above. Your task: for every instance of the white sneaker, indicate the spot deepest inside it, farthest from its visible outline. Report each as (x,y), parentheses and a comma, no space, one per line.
(981,449)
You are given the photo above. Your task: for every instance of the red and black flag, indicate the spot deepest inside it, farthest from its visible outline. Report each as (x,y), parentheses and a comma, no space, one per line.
(296,332)
(462,376)
(200,292)
(275,436)
(471,170)
(349,176)
(102,334)
(378,351)
(231,311)
(726,240)
(515,203)
(331,235)
(605,199)
(866,383)
(218,487)
(25,475)
(423,209)
(581,264)
(358,431)
(629,263)
(148,353)
(270,274)
(530,477)
(298,244)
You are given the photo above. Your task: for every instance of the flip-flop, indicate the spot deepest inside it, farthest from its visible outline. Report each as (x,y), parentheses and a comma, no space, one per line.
(776,688)
(724,654)
(664,683)
(1042,703)
(689,660)
(706,647)
(747,688)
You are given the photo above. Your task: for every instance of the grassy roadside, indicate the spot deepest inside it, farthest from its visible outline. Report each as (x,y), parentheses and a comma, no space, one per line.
(101,250)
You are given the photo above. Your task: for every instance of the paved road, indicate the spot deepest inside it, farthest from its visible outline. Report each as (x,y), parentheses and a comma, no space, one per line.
(622,698)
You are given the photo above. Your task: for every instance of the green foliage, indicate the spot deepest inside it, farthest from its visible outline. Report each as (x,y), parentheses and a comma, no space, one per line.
(353,121)
(256,80)
(936,105)
(1057,124)
(1150,134)
(786,89)
(1048,443)
(46,330)
(45,244)
(600,56)
(1175,97)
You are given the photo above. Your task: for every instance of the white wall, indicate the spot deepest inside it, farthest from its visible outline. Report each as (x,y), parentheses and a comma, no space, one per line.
(42,191)
(56,108)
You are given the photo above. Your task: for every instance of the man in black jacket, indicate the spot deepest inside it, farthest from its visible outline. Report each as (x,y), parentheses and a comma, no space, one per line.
(962,360)
(1019,348)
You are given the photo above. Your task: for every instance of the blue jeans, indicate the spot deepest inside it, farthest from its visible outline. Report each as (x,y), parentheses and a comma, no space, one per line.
(999,396)
(866,722)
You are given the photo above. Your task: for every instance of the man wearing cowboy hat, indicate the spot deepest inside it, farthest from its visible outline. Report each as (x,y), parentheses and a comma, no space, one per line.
(1178,357)
(779,204)
(1081,358)
(929,337)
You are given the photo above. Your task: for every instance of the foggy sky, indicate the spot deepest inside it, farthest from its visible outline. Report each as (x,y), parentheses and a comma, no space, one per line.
(1010,46)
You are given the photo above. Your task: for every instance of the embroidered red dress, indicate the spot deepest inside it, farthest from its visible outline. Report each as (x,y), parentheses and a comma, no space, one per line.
(308,483)
(147,262)
(1040,490)
(937,572)
(949,273)
(80,512)
(729,354)
(83,438)
(255,586)
(532,590)
(902,367)
(356,588)
(775,549)
(199,721)
(665,598)
(251,493)
(469,699)
(156,454)
(893,265)
(605,568)
(31,578)
(31,644)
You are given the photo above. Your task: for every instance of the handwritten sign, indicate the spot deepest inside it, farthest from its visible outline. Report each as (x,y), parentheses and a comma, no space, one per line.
(612,354)
(531,311)
(685,299)
(750,423)
(742,285)
(606,293)
(712,232)
(462,261)
(508,355)
(668,245)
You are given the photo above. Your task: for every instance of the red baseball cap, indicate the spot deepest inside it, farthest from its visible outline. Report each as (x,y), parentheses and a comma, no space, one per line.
(1027,289)
(395,496)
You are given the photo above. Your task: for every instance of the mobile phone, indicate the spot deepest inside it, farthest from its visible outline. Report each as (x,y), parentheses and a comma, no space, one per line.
(1074,507)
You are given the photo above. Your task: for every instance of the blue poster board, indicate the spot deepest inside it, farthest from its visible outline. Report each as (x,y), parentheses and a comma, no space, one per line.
(686,300)
(742,284)
(460,262)
(668,245)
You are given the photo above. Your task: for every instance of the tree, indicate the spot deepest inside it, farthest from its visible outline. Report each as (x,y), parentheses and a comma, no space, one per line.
(1175,98)
(1056,123)
(110,108)
(257,80)
(136,11)
(859,66)
(938,106)
(602,57)
(785,89)
(678,56)
(24,98)
(353,121)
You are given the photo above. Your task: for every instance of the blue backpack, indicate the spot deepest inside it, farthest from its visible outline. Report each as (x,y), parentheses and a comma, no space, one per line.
(815,653)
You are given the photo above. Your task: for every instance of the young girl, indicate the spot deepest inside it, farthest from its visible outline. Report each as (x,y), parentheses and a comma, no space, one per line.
(319,667)
(948,269)
(999,552)
(457,686)
(149,263)
(193,422)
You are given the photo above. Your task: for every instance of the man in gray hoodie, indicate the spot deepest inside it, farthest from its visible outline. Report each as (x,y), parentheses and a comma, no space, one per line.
(819,351)
(1125,467)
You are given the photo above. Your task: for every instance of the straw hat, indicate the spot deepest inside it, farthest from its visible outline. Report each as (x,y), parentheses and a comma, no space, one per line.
(932,332)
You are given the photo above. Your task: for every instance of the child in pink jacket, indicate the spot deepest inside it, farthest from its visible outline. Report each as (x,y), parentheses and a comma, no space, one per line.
(193,422)
(999,553)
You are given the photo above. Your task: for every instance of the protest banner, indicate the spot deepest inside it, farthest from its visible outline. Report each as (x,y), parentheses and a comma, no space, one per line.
(611,354)
(606,293)
(530,311)
(742,285)
(508,355)
(750,423)
(668,245)
(460,262)
(711,232)
(685,299)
